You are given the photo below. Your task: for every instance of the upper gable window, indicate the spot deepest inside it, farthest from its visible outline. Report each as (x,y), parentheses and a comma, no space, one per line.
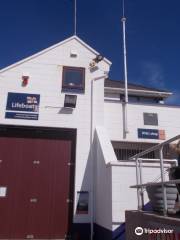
(73,78)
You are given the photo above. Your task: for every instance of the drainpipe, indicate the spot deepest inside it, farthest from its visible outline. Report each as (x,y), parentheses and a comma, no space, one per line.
(91,153)
(92,162)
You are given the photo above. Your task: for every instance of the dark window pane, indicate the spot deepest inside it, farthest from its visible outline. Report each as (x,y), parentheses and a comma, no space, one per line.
(151,119)
(125,150)
(73,78)
(83,203)
(125,154)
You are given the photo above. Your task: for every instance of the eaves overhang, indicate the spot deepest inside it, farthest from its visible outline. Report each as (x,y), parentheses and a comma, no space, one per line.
(137,92)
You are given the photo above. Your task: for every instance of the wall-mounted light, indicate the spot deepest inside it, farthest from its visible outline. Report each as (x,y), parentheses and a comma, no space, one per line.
(25,80)
(70,101)
(98,58)
(94,63)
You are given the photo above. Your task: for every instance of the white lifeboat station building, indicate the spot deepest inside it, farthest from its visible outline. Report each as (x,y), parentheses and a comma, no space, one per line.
(64,169)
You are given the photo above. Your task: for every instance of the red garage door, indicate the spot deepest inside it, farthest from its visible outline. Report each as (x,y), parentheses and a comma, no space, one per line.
(34,188)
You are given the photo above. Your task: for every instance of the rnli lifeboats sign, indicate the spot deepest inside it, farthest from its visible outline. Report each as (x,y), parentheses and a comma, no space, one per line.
(22,106)
(151,134)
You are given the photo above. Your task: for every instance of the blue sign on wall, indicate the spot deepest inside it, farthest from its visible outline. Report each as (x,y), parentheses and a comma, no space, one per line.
(148,133)
(22,106)
(20,115)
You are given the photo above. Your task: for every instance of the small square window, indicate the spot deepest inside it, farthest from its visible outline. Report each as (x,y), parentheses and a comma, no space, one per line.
(83,202)
(150,119)
(73,78)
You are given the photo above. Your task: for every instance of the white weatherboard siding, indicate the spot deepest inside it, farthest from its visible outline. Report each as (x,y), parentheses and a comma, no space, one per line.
(123,176)
(168,118)
(123,197)
(45,71)
(113,180)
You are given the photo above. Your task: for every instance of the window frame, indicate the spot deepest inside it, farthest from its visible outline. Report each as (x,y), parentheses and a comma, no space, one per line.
(80,87)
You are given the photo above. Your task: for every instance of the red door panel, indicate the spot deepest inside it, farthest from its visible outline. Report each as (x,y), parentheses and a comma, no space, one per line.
(10,156)
(60,189)
(38,194)
(23,189)
(36,174)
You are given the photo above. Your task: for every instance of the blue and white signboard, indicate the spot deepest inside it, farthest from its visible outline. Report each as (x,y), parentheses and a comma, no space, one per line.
(148,133)
(22,106)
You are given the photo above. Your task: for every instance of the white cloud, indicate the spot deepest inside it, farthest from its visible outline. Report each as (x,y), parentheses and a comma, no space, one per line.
(153,74)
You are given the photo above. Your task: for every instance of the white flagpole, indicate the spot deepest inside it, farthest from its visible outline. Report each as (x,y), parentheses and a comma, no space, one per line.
(125,72)
(75,17)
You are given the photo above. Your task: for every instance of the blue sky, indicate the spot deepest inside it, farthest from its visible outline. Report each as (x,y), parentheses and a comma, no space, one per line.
(153,35)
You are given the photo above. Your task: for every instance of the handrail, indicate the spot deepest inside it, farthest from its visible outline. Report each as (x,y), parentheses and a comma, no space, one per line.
(156,183)
(154,147)
(139,178)
(158,178)
(144,160)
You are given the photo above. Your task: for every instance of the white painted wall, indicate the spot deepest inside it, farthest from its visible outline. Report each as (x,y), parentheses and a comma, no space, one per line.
(45,71)
(124,175)
(123,197)
(168,117)
(113,179)
(103,154)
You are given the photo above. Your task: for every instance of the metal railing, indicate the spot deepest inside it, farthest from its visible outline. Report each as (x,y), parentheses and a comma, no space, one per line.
(139,177)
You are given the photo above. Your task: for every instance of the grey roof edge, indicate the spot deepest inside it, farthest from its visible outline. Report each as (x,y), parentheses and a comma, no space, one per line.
(118,86)
(135,92)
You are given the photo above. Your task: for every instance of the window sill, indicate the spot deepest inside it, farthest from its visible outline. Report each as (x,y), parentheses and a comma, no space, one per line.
(73,90)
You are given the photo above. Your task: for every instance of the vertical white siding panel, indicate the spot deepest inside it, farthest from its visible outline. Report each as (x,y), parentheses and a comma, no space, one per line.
(123,197)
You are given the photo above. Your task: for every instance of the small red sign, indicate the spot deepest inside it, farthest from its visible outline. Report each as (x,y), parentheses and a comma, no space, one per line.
(162,135)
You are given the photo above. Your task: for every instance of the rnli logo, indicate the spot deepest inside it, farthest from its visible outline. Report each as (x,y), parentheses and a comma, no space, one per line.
(32,100)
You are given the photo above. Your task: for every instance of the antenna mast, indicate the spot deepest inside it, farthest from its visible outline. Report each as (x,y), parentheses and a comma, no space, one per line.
(75,17)
(125,70)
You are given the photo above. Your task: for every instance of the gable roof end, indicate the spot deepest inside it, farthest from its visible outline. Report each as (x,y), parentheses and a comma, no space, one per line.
(52,47)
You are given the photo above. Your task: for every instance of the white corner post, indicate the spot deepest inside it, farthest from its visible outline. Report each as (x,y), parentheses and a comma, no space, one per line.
(91,152)
(92,160)
(163,180)
(138,183)
(141,182)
